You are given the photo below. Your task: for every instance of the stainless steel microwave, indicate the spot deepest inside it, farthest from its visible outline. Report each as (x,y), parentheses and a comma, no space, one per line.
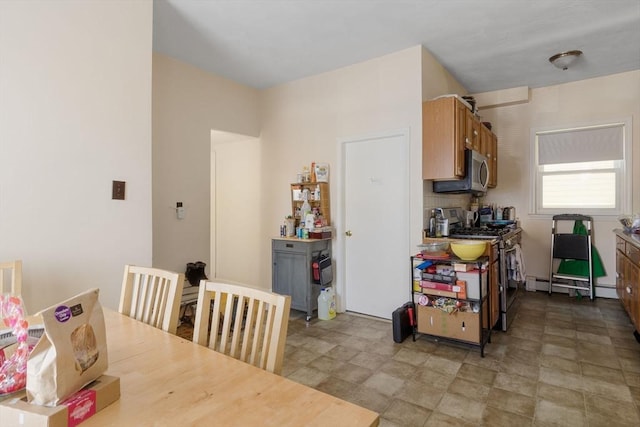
(475,180)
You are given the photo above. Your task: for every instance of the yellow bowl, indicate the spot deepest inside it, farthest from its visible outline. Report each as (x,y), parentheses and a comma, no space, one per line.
(468,250)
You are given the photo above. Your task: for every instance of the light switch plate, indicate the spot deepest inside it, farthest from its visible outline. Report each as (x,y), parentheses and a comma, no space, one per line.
(117,192)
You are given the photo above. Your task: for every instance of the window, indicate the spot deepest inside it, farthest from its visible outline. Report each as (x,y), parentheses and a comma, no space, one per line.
(583,170)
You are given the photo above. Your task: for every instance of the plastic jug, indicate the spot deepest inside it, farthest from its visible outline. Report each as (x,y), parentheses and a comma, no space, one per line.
(326,304)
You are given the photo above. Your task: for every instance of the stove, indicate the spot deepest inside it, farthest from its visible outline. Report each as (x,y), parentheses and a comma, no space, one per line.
(482,232)
(508,242)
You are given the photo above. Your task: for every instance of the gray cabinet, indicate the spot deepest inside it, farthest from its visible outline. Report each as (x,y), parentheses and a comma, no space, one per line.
(292,274)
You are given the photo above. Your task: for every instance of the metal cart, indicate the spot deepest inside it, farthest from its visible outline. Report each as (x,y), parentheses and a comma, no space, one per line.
(572,247)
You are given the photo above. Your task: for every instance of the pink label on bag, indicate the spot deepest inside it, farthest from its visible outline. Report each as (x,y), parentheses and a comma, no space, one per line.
(81,405)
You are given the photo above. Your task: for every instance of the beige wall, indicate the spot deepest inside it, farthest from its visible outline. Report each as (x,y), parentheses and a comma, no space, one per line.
(304,120)
(188,104)
(436,80)
(594,100)
(236,208)
(75,114)
(300,122)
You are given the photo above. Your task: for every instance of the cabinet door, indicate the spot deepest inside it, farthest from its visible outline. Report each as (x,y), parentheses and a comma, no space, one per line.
(291,277)
(485,141)
(494,161)
(489,148)
(472,130)
(443,133)
(461,140)
(620,266)
(633,292)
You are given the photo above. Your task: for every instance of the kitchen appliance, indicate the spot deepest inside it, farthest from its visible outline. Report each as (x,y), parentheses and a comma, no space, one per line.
(475,180)
(507,238)
(447,219)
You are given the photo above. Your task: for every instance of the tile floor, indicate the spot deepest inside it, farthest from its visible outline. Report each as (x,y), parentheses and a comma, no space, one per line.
(563,362)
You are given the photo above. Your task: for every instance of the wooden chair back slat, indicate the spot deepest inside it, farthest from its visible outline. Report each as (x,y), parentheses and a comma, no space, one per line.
(245,323)
(11,277)
(152,296)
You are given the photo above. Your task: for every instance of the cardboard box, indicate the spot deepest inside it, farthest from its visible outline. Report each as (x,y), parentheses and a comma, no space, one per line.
(80,406)
(461,325)
(463,266)
(438,293)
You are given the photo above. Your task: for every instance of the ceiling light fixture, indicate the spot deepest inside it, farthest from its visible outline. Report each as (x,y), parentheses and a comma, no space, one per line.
(564,59)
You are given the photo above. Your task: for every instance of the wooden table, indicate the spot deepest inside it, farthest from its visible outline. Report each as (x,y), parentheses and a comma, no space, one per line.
(166,380)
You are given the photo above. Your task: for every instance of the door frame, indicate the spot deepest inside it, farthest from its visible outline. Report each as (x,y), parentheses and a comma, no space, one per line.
(340,252)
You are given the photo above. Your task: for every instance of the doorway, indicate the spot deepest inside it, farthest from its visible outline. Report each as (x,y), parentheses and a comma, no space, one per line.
(375,213)
(235,206)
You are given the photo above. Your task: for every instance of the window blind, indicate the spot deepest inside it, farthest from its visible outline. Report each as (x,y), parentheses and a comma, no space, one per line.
(581,145)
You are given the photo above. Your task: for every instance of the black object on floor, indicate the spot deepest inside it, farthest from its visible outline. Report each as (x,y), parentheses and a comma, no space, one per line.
(195,272)
(402,319)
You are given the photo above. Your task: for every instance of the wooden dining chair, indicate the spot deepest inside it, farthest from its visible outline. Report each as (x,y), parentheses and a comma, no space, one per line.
(11,277)
(245,323)
(152,296)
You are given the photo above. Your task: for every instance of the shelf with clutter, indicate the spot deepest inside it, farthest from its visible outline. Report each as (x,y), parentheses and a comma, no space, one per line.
(310,204)
(450,299)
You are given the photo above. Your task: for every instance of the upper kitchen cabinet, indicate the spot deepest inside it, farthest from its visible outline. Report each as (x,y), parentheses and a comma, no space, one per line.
(448,127)
(489,148)
(444,124)
(472,130)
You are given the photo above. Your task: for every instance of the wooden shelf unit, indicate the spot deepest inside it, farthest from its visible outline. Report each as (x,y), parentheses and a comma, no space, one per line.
(323,204)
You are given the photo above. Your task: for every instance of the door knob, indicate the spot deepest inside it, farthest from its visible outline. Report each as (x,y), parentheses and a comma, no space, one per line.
(348,233)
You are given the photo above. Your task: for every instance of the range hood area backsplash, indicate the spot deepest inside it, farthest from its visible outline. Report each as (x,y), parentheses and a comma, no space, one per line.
(434,200)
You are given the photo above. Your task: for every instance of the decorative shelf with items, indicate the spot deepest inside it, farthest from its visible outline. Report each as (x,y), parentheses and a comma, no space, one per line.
(316,196)
(450,299)
(310,203)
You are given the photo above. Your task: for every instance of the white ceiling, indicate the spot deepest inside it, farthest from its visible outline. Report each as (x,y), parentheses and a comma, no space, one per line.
(486,44)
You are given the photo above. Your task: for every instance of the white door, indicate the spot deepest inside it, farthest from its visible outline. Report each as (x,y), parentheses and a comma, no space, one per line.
(376,224)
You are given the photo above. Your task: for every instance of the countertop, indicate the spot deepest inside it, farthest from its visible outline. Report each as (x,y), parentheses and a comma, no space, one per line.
(632,238)
(426,239)
(297,239)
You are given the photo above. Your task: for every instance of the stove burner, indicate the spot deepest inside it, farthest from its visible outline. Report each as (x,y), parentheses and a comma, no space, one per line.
(479,232)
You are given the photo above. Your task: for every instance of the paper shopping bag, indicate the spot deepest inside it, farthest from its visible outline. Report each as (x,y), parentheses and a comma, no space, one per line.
(72,351)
